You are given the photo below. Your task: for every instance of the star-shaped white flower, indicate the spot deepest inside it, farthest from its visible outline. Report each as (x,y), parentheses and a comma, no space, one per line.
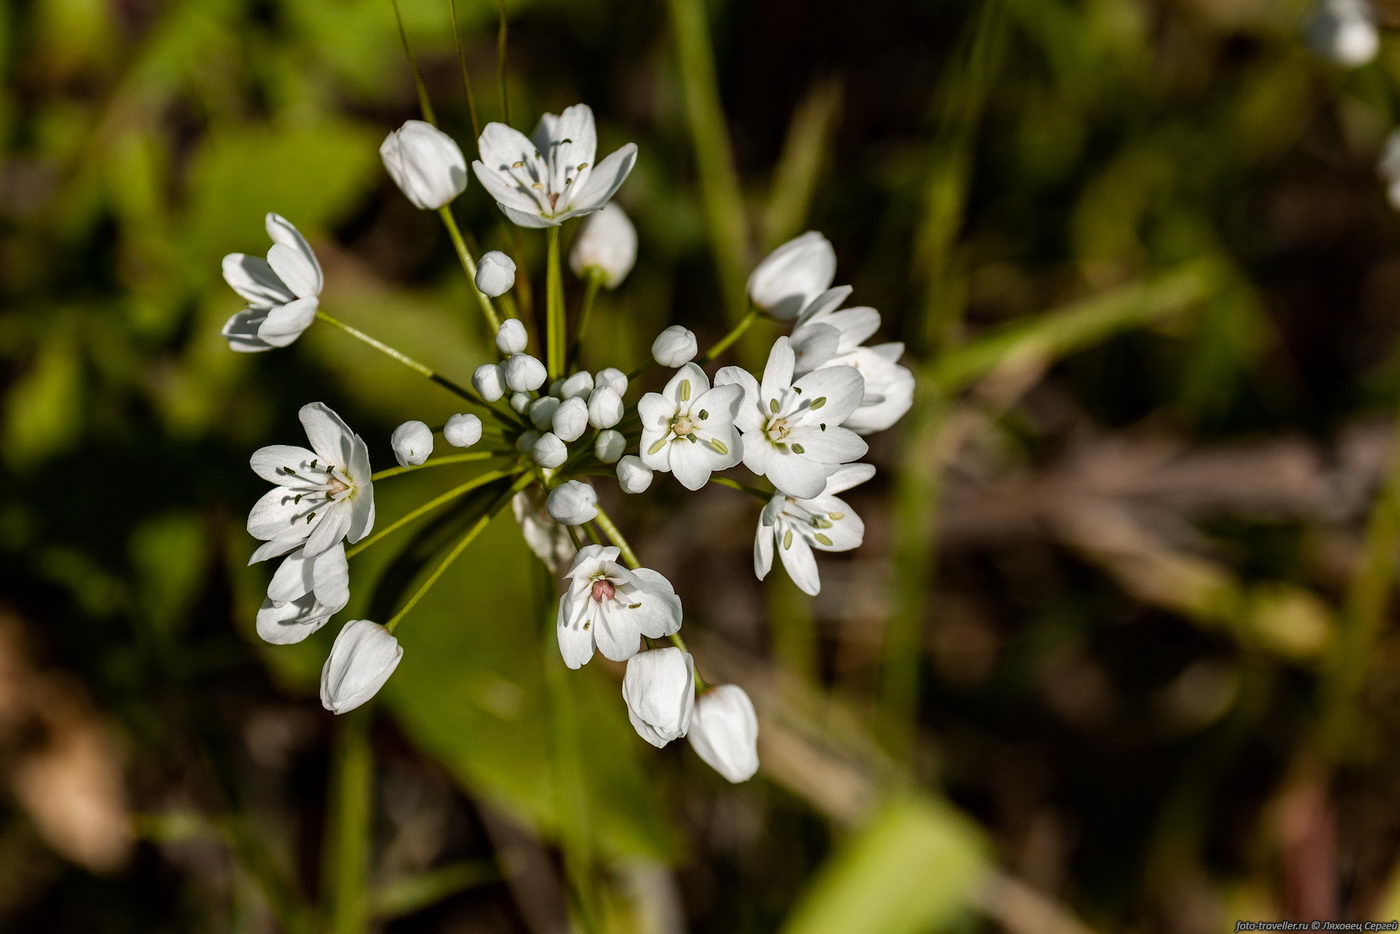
(322,494)
(688,428)
(283,291)
(548,177)
(612,607)
(795,526)
(792,430)
(304,594)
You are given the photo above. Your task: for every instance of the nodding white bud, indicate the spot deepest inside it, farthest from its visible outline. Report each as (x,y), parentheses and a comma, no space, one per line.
(425,163)
(462,431)
(792,275)
(613,378)
(412,442)
(570,419)
(489,382)
(609,445)
(549,451)
(632,475)
(511,337)
(495,274)
(659,689)
(674,347)
(520,402)
(572,503)
(608,243)
(525,444)
(604,408)
(542,412)
(524,373)
(579,384)
(362,658)
(724,732)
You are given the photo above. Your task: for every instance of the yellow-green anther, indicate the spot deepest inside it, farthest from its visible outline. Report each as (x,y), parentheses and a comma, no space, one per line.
(798,449)
(773,406)
(819,402)
(685,390)
(719,446)
(822,538)
(658,445)
(704,414)
(821,522)
(838,516)
(787,539)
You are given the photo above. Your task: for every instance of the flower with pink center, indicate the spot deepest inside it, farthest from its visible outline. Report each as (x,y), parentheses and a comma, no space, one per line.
(610,607)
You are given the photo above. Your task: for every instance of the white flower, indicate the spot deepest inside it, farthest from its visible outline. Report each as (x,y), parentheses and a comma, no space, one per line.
(523,372)
(304,594)
(577,385)
(548,451)
(412,443)
(1344,32)
(610,607)
(792,275)
(548,539)
(659,689)
(322,495)
(632,475)
(541,411)
(824,337)
(613,378)
(462,431)
(688,428)
(572,503)
(724,732)
(282,291)
(495,274)
(511,337)
(792,430)
(489,382)
(795,526)
(363,657)
(609,445)
(570,419)
(425,163)
(549,177)
(604,407)
(607,242)
(674,346)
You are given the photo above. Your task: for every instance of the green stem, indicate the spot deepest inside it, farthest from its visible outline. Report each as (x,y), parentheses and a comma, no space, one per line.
(466,75)
(475,529)
(593,279)
(461,490)
(615,536)
(501,35)
(736,332)
(554,303)
(764,495)
(345,854)
(679,643)
(464,256)
(438,462)
(423,103)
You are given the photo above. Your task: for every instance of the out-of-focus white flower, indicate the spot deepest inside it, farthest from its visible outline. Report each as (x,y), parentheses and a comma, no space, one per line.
(425,163)
(792,430)
(576,385)
(792,275)
(524,373)
(724,732)
(495,274)
(613,378)
(363,657)
(570,419)
(1344,32)
(322,495)
(511,337)
(489,382)
(542,411)
(688,428)
(572,503)
(612,607)
(304,594)
(659,689)
(632,475)
(609,445)
(607,242)
(1389,168)
(674,346)
(412,442)
(462,431)
(795,526)
(604,407)
(548,539)
(549,451)
(546,178)
(282,291)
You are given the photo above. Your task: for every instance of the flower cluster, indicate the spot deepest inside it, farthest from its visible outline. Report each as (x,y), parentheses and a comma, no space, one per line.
(799,426)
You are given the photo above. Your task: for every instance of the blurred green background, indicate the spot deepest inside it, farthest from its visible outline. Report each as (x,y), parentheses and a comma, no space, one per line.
(1116,654)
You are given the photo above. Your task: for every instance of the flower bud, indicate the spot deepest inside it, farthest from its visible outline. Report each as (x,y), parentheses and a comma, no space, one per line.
(489,382)
(613,378)
(607,243)
(462,431)
(362,658)
(412,442)
(511,337)
(570,419)
(579,384)
(525,444)
(572,503)
(604,408)
(524,373)
(792,275)
(609,445)
(542,412)
(520,402)
(659,689)
(425,163)
(632,475)
(674,347)
(724,732)
(495,274)
(549,451)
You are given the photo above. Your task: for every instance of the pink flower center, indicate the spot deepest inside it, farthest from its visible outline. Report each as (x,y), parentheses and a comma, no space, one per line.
(603,590)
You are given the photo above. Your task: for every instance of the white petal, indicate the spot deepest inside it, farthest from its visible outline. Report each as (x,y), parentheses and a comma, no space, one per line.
(604,181)
(293,268)
(271,462)
(841,386)
(794,474)
(660,612)
(777,373)
(575,643)
(576,124)
(284,234)
(850,475)
(329,528)
(253,279)
(286,323)
(330,437)
(801,564)
(690,462)
(834,445)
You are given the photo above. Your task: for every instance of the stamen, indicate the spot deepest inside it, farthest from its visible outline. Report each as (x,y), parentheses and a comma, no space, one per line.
(684,390)
(660,443)
(822,538)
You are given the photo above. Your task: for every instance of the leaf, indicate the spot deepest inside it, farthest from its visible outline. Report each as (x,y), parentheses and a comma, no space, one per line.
(43,410)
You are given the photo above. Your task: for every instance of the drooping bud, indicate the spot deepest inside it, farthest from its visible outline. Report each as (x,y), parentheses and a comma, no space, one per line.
(572,503)
(609,445)
(489,382)
(495,274)
(570,419)
(659,690)
(724,732)
(425,163)
(604,408)
(792,275)
(524,373)
(412,442)
(362,658)
(674,347)
(632,475)
(548,451)
(511,337)
(462,431)
(608,243)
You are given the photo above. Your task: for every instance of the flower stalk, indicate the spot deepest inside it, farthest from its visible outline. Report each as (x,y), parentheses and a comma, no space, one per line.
(554,305)
(345,852)
(464,256)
